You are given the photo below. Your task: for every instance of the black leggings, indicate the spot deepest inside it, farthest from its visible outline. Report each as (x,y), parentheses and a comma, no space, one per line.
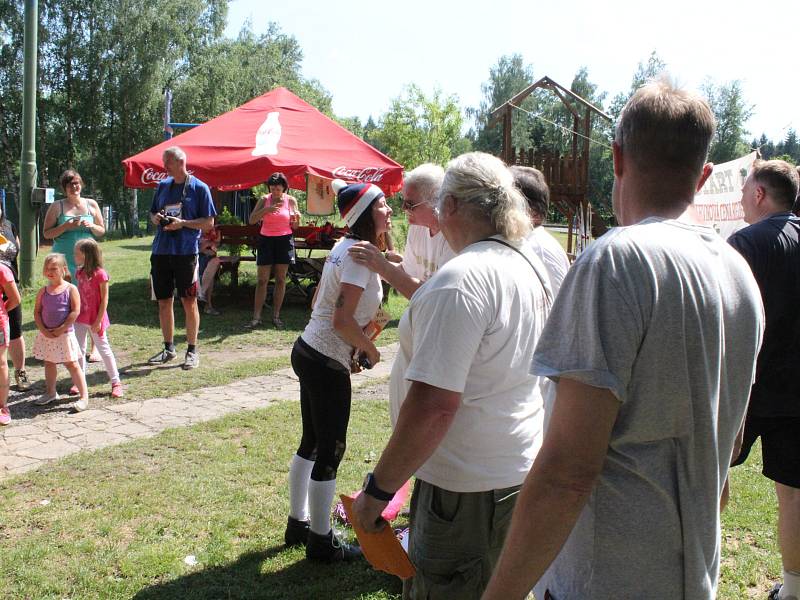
(325,408)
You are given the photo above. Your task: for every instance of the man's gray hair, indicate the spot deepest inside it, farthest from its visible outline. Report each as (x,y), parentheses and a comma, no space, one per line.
(484,184)
(174,152)
(426,179)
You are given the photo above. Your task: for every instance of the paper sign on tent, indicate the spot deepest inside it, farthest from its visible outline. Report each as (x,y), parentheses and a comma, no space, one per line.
(382,549)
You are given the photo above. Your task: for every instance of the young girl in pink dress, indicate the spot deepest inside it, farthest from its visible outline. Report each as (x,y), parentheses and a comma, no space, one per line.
(57,306)
(12,301)
(92,282)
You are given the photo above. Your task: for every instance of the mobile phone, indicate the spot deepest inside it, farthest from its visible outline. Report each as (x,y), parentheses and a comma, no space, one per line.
(363,361)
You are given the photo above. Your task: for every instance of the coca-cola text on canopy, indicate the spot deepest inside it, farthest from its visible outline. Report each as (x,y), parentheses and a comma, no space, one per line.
(367,174)
(152,177)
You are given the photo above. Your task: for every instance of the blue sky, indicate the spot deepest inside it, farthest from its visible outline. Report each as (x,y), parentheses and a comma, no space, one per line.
(364,53)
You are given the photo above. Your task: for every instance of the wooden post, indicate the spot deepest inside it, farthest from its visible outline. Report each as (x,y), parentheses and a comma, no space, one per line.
(507,135)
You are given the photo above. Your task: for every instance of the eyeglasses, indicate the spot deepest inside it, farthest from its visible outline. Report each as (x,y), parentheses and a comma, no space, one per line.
(410,207)
(74,182)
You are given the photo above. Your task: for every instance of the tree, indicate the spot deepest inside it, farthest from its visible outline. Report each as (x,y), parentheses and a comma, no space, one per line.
(731,112)
(103,68)
(509,76)
(419,129)
(789,146)
(645,71)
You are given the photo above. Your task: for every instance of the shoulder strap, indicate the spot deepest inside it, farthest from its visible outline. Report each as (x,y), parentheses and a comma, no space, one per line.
(545,285)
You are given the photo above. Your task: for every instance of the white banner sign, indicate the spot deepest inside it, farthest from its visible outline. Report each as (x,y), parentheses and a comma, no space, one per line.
(719,202)
(320,196)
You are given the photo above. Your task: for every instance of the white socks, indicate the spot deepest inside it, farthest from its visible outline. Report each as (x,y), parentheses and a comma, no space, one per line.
(320,497)
(791,586)
(299,476)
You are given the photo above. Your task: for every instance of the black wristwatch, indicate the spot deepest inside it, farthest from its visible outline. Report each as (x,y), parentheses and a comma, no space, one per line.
(371,489)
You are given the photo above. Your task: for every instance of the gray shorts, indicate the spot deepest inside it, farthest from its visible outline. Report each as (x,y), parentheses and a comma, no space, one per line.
(455,540)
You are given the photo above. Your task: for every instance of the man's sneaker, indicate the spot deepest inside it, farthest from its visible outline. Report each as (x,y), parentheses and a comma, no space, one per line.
(162,357)
(192,361)
(81,405)
(21,378)
(46,399)
(775,591)
(296,533)
(329,548)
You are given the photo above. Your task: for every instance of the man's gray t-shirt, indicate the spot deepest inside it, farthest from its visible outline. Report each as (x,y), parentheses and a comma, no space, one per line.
(666,316)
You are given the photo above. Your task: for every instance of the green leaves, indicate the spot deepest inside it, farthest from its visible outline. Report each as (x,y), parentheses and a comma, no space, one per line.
(419,129)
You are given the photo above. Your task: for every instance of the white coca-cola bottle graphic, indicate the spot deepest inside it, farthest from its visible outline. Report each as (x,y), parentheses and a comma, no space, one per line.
(268,136)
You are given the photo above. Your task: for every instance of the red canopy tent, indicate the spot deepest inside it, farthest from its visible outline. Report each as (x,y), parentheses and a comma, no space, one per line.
(274,132)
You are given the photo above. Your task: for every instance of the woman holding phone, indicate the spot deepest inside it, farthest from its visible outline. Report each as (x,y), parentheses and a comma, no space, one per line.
(278,214)
(73,218)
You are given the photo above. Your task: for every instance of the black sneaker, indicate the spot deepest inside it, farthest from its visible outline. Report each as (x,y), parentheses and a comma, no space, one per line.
(296,533)
(191,361)
(162,357)
(775,592)
(329,548)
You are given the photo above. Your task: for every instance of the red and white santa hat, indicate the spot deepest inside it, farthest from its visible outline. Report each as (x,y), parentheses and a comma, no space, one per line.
(353,199)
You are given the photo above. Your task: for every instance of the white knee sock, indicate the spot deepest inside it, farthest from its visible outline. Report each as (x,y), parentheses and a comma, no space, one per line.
(320,497)
(791,586)
(299,476)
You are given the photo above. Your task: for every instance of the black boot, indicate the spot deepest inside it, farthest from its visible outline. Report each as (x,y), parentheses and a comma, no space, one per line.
(296,532)
(329,548)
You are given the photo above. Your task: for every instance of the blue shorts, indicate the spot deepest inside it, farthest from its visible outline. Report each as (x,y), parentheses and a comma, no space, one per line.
(275,250)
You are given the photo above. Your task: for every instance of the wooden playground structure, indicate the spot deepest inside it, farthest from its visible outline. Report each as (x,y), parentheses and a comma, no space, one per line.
(567,175)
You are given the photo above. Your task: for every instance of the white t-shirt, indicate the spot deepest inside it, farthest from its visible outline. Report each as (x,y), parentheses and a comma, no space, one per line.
(341,268)
(470,329)
(668,317)
(549,250)
(425,254)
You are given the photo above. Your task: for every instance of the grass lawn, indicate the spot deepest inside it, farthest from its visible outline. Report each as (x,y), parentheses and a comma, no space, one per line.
(228,351)
(119,522)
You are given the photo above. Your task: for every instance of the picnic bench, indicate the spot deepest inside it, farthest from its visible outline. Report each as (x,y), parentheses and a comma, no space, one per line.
(306,237)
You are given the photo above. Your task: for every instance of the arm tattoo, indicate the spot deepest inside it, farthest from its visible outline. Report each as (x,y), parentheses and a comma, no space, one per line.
(340,301)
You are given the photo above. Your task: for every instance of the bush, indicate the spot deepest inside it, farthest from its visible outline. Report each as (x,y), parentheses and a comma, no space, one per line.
(228,218)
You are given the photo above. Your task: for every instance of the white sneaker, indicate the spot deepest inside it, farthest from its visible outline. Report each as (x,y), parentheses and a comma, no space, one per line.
(46,399)
(81,405)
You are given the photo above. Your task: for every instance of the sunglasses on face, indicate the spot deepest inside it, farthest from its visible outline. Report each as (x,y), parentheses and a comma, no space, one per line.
(410,207)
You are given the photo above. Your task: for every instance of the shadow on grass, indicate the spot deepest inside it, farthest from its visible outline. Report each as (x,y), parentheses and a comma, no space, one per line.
(245,579)
(142,247)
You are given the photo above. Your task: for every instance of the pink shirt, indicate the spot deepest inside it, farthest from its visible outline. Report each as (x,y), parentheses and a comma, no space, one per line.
(6,276)
(274,224)
(89,289)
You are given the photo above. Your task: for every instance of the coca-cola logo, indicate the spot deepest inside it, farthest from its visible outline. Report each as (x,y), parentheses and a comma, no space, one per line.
(152,177)
(367,175)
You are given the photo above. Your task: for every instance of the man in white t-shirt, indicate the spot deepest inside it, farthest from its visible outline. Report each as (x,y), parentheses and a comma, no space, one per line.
(533,186)
(426,248)
(653,342)
(466,411)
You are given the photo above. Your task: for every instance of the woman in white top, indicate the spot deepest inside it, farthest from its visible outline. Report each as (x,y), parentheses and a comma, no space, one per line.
(347,299)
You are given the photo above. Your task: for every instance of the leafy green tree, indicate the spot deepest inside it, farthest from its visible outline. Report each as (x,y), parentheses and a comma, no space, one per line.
(509,76)
(419,129)
(645,71)
(731,112)
(789,146)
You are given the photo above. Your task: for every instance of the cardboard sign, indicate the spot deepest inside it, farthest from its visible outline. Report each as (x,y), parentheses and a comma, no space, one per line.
(382,549)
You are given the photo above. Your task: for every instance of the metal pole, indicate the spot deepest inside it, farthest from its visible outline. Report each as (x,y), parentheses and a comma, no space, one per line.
(28,172)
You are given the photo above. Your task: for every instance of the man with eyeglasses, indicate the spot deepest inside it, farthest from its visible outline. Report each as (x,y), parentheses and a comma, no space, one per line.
(426,249)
